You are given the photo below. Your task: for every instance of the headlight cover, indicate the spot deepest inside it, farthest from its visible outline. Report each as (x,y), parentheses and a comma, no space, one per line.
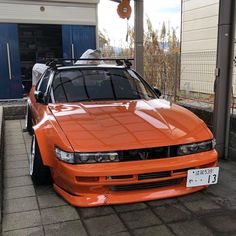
(86,158)
(99,157)
(204,146)
(65,156)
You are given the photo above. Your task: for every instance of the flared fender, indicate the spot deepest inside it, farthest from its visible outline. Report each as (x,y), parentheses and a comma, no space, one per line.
(49,134)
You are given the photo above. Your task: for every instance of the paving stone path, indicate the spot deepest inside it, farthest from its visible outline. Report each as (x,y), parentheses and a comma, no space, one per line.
(34,210)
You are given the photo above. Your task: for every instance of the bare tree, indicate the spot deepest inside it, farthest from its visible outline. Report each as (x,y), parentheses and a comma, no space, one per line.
(161,55)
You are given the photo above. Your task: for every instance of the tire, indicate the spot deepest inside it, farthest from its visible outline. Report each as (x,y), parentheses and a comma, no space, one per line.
(40,173)
(28,121)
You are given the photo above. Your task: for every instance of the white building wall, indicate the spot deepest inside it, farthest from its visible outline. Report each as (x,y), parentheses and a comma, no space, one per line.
(83,12)
(199,45)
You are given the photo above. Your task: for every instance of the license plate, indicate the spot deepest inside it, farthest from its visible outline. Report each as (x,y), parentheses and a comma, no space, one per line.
(201,177)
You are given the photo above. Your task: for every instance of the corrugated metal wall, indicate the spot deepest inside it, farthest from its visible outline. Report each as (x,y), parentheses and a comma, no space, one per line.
(199,25)
(199,43)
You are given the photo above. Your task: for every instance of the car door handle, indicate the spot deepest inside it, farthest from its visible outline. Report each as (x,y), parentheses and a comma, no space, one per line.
(9,61)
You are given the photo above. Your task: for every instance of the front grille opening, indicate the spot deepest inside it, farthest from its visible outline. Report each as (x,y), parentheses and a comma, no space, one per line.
(148,153)
(160,184)
(154,175)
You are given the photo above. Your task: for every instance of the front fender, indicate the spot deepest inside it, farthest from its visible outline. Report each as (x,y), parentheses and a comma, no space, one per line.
(49,134)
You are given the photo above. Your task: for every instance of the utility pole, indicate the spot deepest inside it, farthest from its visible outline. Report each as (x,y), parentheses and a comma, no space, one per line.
(138,31)
(224,72)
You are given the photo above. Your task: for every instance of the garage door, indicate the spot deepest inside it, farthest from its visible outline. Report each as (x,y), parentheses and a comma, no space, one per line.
(42,12)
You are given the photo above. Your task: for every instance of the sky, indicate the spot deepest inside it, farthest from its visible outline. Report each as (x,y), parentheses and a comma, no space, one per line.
(157,10)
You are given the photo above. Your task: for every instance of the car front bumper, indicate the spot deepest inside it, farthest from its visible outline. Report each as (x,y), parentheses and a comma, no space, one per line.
(126,182)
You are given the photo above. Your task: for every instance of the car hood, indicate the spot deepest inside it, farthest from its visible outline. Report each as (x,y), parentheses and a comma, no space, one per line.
(104,126)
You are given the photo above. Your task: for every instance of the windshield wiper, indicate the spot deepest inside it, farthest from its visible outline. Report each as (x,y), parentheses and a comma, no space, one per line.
(103,99)
(128,98)
(93,99)
(81,100)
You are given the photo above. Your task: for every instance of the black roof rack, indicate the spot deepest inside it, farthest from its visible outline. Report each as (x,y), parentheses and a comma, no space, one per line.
(56,62)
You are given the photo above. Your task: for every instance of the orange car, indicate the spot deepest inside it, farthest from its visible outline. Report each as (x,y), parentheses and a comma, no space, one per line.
(102,135)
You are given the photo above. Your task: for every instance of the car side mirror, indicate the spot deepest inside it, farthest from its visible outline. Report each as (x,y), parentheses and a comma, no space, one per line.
(39,96)
(158,91)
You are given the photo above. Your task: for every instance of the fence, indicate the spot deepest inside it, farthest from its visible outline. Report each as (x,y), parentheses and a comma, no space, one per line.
(197,78)
(183,78)
(189,78)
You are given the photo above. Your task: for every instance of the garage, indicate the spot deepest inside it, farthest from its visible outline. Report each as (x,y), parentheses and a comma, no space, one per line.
(30,31)
(36,42)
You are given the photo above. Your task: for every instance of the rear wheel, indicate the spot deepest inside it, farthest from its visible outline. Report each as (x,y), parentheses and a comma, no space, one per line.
(40,173)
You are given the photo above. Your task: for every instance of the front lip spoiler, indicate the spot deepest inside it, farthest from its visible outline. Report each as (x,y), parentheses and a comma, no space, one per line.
(91,200)
(83,196)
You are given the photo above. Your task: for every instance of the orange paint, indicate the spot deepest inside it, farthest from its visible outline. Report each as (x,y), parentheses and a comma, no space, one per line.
(114,126)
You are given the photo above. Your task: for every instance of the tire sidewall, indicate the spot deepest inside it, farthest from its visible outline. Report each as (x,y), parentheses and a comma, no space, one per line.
(32,155)
(28,120)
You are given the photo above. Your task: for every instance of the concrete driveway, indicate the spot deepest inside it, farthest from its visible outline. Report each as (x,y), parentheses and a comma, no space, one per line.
(33,210)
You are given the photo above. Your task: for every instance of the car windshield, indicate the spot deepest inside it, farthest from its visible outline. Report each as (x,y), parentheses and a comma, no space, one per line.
(98,84)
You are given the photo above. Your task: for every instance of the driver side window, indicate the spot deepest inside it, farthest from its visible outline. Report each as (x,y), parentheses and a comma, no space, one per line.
(42,86)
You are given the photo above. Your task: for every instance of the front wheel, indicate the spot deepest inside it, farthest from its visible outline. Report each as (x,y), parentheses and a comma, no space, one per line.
(40,173)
